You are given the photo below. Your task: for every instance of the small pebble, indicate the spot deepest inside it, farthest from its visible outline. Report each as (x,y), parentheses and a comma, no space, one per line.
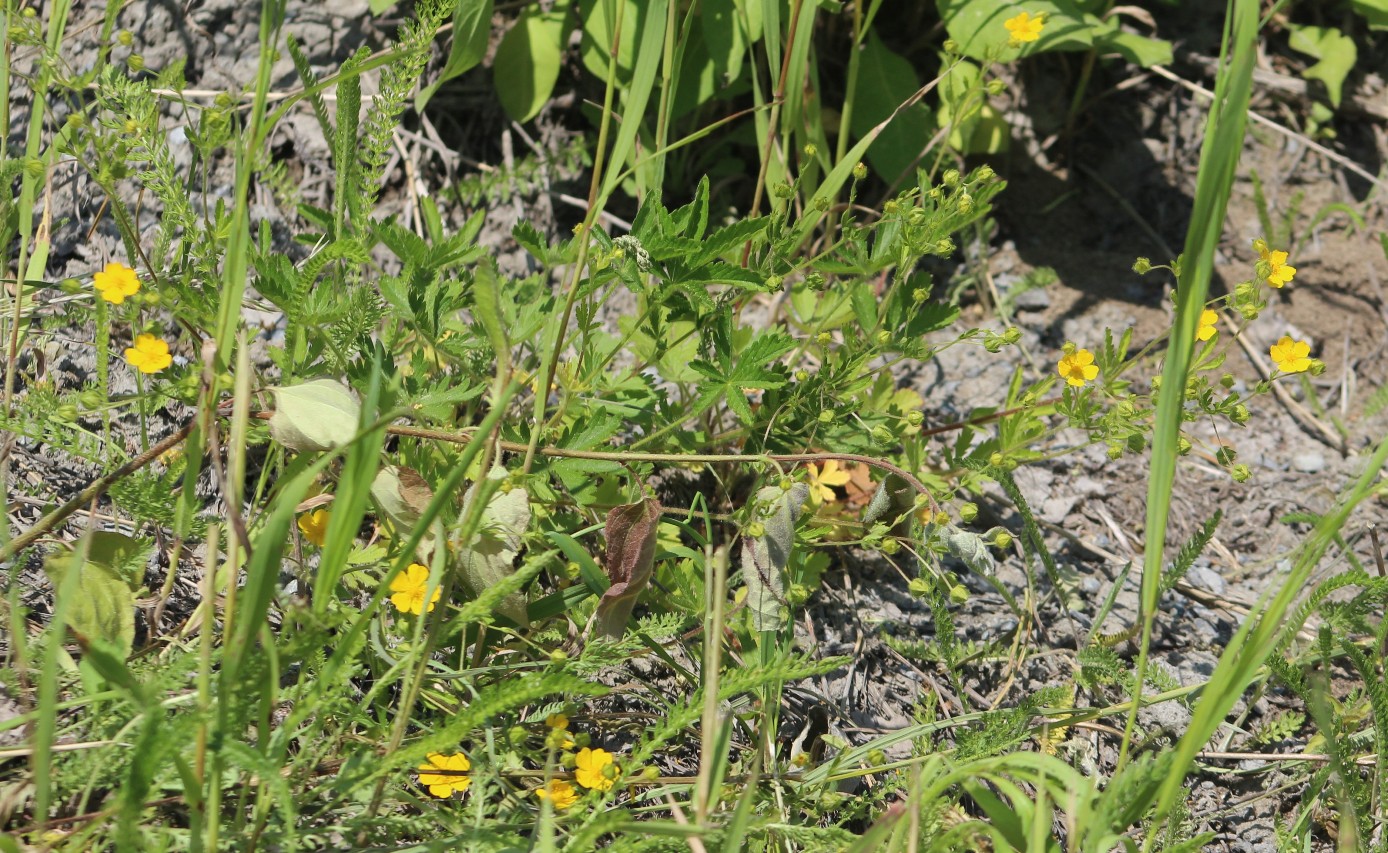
(1310,462)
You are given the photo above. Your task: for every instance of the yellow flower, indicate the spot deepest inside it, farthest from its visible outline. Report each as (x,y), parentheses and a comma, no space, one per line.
(558,792)
(1278,271)
(821,481)
(149,355)
(1078,367)
(314,526)
(1024,27)
(408,590)
(557,721)
(115,282)
(1291,356)
(589,766)
(1207,330)
(452,779)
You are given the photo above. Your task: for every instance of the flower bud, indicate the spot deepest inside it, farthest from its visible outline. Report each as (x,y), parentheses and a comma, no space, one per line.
(558,656)
(876,757)
(136,62)
(34,168)
(67,413)
(941,518)
(1260,246)
(966,203)
(1240,473)
(890,546)
(1012,335)
(959,594)
(821,204)
(917,217)
(919,587)
(1227,381)
(968,511)
(517,735)
(756,530)
(785,484)
(996,459)
(884,337)
(823,339)
(985,172)
(891,208)
(859,171)
(1240,414)
(131,126)
(882,435)
(1114,450)
(826,417)
(915,418)
(773,282)
(951,46)
(1142,266)
(950,177)
(91,398)
(151,297)
(582,739)
(801,759)
(70,285)
(1317,367)
(125,38)
(945,247)
(919,295)
(1003,539)
(810,150)
(802,375)
(75,120)
(783,190)
(650,773)
(995,87)
(1183,446)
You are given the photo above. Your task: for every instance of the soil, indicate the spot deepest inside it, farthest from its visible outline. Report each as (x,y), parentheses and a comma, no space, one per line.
(1085,205)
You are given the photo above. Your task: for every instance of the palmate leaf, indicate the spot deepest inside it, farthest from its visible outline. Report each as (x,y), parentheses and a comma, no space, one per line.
(752,370)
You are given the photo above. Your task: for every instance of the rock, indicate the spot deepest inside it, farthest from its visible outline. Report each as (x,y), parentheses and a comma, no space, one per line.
(1309,462)
(1206,578)
(1033,300)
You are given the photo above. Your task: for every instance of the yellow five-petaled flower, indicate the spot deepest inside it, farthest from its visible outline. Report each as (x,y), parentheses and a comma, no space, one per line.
(558,792)
(1291,356)
(590,769)
(149,355)
(1279,273)
(314,526)
(115,282)
(821,481)
(1207,330)
(1078,367)
(407,590)
(1024,28)
(452,779)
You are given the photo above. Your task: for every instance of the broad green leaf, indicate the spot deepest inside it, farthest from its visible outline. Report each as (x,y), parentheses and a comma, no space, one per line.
(977,25)
(1139,50)
(488,557)
(597,36)
(402,495)
(723,37)
(764,557)
(527,61)
(316,415)
(472,21)
(104,605)
(1374,12)
(1334,49)
(885,80)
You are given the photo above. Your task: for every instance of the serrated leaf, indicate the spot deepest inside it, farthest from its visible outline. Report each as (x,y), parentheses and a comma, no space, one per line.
(631,537)
(764,558)
(488,558)
(316,415)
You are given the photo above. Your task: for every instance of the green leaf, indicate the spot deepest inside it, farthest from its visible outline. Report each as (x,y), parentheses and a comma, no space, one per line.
(488,557)
(885,80)
(1374,12)
(317,415)
(1334,49)
(526,66)
(597,37)
(471,26)
(1139,50)
(969,548)
(977,25)
(724,38)
(104,605)
(764,557)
